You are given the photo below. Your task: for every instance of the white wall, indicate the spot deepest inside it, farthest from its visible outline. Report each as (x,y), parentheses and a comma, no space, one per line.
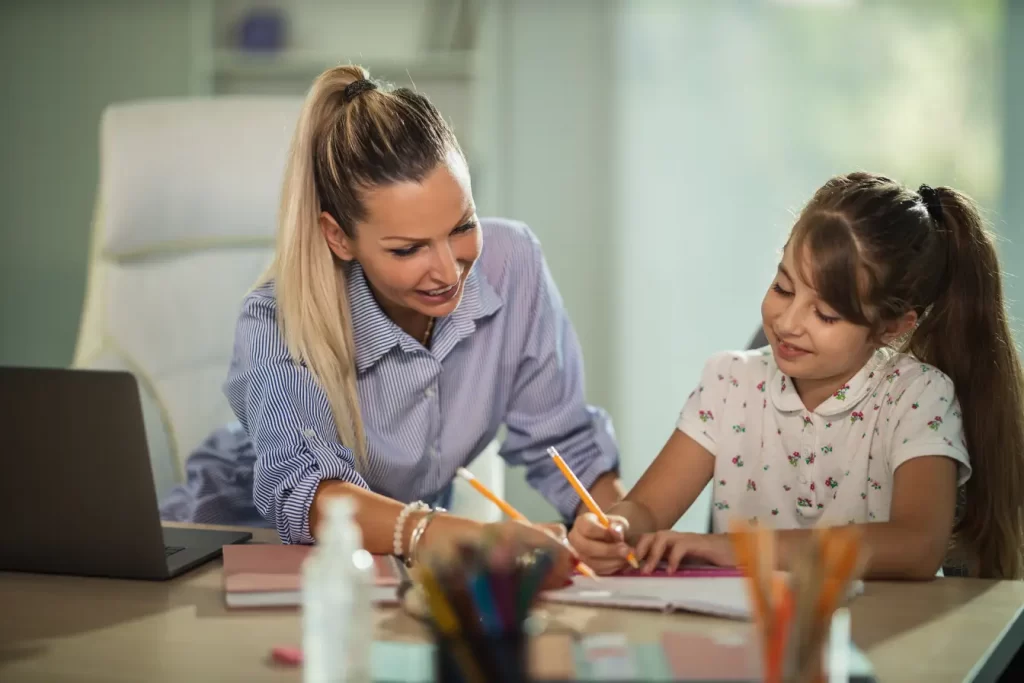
(63,63)
(699,214)
(549,125)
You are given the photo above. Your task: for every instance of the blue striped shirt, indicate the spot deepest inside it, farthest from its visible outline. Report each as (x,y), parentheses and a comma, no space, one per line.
(507,355)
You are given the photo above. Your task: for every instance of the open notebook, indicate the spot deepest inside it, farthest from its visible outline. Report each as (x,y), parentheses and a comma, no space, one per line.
(721,593)
(270,575)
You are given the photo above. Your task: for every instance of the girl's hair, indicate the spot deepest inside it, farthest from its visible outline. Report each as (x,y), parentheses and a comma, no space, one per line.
(878,250)
(353,134)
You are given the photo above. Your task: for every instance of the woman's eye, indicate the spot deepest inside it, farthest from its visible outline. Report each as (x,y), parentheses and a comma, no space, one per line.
(408,251)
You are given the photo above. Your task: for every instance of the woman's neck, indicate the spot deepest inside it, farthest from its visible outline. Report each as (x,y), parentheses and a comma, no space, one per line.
(415,324)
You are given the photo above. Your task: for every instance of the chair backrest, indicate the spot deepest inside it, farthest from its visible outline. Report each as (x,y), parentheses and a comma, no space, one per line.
(184,225)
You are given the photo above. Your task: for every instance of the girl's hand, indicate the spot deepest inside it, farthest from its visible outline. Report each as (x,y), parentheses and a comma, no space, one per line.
(675,546)
(605,550)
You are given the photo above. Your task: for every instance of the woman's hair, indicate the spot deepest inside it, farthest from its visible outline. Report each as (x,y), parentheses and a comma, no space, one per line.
(353,134)
(878,250)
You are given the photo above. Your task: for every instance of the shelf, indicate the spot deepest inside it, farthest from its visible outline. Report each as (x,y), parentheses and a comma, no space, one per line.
(289,64)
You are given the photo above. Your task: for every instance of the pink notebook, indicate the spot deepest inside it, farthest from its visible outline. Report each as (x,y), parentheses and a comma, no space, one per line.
(266,575)
(685,570)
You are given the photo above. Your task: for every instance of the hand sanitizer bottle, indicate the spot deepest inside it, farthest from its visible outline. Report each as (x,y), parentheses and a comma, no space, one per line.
(337,618)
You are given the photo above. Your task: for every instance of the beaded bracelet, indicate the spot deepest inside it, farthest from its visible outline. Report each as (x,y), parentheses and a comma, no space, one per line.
(417,533)
(400,524)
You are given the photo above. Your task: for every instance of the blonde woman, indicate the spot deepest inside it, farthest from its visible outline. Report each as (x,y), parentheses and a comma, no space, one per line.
(393,336)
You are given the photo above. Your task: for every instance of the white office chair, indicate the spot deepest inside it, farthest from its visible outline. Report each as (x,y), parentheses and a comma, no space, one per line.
(184,225)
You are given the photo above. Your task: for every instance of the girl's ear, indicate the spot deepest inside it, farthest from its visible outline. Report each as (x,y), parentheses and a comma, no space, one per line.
(899,328)
(338,242)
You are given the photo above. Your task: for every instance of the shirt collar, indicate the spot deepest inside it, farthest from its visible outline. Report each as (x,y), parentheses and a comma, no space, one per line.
(785,397)
(374,334)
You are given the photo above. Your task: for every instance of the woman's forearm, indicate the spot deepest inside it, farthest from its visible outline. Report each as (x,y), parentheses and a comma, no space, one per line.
(377,515)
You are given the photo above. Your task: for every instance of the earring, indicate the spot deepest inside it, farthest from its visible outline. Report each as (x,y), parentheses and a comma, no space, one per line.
(900,343)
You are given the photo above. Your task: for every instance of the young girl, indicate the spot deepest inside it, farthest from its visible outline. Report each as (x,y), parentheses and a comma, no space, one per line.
(890,384)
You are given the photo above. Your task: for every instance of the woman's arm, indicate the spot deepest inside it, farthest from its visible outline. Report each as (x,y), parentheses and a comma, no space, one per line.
(377,516)
(300,462)
(547,406)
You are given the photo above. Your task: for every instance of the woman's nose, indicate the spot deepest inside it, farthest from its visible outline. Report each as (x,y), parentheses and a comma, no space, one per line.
(446,268)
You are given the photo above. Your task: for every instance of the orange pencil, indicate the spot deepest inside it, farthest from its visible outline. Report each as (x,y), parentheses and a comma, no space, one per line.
(587,499)
(490,495)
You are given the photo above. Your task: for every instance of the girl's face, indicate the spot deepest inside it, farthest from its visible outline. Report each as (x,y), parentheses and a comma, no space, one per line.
(418,242)
(810,342)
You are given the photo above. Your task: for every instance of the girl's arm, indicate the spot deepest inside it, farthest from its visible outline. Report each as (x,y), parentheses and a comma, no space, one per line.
(914,542)
(911,545)
(668,488)
(665,491)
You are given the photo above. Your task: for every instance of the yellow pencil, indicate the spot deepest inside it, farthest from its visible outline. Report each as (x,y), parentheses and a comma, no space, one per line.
(587,499)
(490,495)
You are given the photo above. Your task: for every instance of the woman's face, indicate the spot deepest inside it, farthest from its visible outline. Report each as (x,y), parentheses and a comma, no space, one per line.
(418,242)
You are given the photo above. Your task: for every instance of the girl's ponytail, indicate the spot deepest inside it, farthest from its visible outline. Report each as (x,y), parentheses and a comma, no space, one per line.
(966,334)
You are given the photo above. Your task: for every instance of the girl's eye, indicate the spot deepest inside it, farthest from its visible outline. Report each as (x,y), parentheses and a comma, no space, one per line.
(777,288)
(828,319)
(465,227)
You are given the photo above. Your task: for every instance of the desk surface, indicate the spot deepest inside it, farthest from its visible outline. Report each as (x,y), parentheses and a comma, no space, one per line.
(57,628)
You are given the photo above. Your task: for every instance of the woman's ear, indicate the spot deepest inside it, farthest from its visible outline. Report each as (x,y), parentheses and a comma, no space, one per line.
(339,243)
(900,328)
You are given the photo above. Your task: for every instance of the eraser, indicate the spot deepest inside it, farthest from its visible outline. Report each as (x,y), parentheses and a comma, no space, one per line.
(291,656)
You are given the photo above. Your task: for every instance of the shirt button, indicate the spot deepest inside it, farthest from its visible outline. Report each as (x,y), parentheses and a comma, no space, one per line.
(309,433)
(803,480)
(433,451)
(429,392)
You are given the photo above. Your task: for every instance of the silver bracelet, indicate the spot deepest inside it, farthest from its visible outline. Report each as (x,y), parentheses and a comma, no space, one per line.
(417,533)
(400,524)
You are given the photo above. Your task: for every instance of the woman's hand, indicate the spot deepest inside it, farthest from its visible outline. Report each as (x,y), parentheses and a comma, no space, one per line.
(605,550)
(674,547)
(549,537)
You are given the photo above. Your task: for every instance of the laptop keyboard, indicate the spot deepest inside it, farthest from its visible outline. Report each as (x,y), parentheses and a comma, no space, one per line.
(171,549)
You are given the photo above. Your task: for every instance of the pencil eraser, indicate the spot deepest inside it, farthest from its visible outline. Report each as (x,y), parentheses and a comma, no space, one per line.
(291,656)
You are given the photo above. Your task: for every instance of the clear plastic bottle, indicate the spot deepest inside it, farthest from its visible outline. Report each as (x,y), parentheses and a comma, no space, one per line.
(337,617)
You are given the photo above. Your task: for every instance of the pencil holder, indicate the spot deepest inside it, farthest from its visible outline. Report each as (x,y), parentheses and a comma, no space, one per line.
(497,658)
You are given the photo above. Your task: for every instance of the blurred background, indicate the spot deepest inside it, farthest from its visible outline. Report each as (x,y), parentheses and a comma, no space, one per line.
(658,148)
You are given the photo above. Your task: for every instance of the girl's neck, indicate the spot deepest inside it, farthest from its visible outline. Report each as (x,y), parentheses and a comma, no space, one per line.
(814,392)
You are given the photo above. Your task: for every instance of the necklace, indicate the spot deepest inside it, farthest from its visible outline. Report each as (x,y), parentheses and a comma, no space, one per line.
(430,331)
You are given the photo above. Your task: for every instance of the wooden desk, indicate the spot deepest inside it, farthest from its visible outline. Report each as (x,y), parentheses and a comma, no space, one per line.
(59,628)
